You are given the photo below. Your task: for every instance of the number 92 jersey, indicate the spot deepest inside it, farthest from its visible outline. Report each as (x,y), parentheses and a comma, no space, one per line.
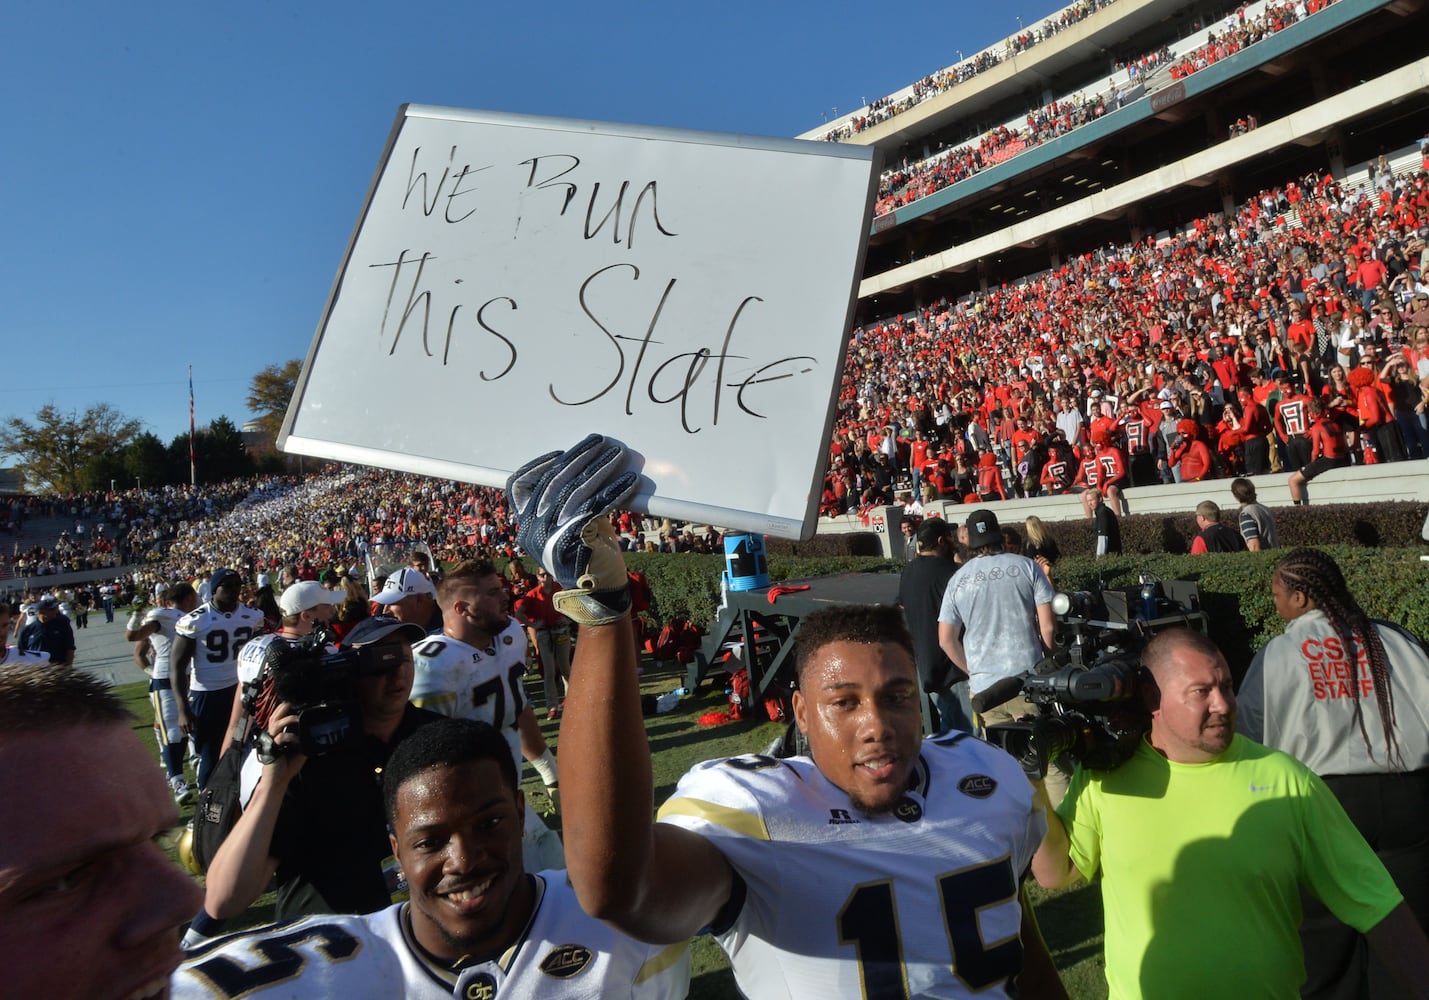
(462,681)
(218,637)
(918,902)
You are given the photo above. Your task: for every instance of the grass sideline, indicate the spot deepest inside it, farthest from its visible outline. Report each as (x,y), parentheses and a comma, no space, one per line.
(1071,919)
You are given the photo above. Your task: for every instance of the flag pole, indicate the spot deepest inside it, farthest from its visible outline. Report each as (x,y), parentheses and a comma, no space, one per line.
(193,477)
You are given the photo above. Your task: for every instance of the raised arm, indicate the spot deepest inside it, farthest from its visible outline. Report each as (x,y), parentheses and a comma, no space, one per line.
(653,881)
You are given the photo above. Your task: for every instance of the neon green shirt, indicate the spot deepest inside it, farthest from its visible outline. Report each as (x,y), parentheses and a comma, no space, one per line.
(1201,866)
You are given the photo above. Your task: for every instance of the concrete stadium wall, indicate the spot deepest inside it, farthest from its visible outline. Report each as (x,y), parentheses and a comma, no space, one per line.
(49,582)
(1365,484)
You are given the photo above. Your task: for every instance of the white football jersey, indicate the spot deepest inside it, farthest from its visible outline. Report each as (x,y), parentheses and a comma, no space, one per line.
(318,956)
(918,902)
(219,636)
(460,681)
(562,954)
(463,682)
(161,640)
(12,656)
(254,656)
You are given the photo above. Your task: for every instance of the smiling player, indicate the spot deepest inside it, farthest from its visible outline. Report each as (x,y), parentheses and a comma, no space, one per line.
(880,865)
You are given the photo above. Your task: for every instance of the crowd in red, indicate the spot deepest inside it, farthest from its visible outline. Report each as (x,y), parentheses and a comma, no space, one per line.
(906,184)
(1295,330)
(1242,32)
(937,83)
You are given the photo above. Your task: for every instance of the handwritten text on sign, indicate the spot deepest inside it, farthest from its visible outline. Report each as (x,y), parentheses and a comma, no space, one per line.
(461,320)
(515,282)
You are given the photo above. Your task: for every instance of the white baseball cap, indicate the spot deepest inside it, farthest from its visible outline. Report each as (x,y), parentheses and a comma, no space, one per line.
(303,596)
(402,585)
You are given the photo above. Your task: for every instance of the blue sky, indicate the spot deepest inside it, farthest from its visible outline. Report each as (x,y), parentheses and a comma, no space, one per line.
(179,181)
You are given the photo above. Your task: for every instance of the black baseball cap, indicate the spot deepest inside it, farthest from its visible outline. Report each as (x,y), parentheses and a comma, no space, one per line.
(220,577)
(381,627)
(983,529)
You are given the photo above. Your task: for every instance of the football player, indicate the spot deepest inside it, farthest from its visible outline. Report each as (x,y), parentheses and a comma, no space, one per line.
(11,655)
(475,669)
(157,628)
(210,638)
(879,865)
(478,924)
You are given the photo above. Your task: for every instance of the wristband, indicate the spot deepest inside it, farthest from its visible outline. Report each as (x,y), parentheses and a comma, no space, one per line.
(545,766)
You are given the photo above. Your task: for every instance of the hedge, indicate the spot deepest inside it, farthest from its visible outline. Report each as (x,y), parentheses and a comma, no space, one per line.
(1390,524)
(1235,588)
(1390,583)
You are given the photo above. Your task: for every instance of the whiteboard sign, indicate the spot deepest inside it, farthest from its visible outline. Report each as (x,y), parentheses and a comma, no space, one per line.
(514,283)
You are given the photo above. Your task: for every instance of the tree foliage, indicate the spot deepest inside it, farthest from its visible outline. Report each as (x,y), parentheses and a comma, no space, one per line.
(219,454)
(67,452)
(146,461)
(270,392)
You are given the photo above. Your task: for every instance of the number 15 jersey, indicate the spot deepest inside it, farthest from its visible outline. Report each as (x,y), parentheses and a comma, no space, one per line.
(918,902)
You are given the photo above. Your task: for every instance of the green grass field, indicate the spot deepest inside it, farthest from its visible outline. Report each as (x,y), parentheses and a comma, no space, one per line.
(1071,919)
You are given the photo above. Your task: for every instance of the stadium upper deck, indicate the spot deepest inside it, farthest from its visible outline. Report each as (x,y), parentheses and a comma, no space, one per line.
(1340,83)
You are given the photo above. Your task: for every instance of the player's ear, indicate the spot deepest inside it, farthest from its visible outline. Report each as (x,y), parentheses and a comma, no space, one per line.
(801,710)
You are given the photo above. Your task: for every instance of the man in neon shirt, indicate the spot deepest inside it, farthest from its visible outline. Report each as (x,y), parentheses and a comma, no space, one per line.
(1203,840)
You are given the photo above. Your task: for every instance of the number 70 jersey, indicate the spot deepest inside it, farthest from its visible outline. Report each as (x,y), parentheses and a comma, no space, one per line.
(462,681)
(919,902)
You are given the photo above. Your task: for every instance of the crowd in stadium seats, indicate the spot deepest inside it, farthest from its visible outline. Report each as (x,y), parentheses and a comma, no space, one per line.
(1241,32)
(109,528)
(261,524)
(1313,293)
(328,521)
(1155,361)
(931,86)
(905,184)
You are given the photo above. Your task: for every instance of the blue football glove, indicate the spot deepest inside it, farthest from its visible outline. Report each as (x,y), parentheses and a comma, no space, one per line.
(561,501)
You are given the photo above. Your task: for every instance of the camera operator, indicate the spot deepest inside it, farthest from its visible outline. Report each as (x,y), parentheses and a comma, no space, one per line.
(304,607)
(317,822)
(1202,841)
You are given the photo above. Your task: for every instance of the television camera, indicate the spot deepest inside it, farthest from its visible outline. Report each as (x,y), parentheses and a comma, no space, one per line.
(1086,690)
(319,682)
